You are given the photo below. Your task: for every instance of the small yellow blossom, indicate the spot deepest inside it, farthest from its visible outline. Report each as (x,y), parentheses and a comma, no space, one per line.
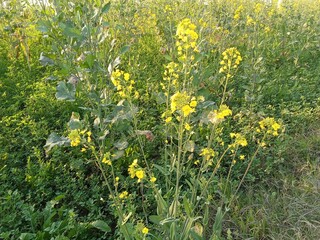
(263,144)
(106,161)
(197,162)
(145,230)
(75,138)
(178,100)
(132,168)
(207,153)
(193,104)
(242,157)
(218,116)
(126,76)
(168,119)
(270,126)
(140,175)
(187,110)
(187,127)
(239,139)
(123,195)
(89,136)
(153,179)
(83,149)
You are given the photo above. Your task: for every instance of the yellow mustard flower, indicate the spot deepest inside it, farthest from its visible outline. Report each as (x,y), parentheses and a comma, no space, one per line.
(178,100)
(193,103)
(168,119)
(270,126)
(187,127)
(239,139)
(187,110)
(75,138)
(140,175)
(126,76)
(145,230)
(123,195)
(207,153)
(132,168)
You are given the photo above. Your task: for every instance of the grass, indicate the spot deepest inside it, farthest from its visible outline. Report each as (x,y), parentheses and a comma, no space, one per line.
(287,205)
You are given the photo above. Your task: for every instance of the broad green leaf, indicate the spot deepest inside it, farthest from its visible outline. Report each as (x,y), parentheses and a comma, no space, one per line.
(27,236)
(103,136)
(101,225)
(155,219)
(71,32)
(207,104)
(161,169)
(190,145)
(89,60)
(55,140)
(124,49)
(195,235)
(169,58)
(122,144)
(45,61)
(187,206)
(217,226)
(106,8)
(117,154)
(65,91)
(43,26)
(74,122)
(162,206)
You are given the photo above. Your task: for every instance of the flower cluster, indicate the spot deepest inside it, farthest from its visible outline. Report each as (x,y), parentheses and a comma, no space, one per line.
(207,153)
(171,75)
(74,137)
(135,171)
(270,126)
(145,22)
(123,84)
(124,195)
(217,116)
(186,39)
(106,159)
(183,103)
(237,13)
(169,10)
(240,140)
(231,60)
(250,21)
(258,8)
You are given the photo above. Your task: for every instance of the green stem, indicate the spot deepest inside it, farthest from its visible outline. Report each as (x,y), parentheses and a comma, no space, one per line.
(178,175)
(247,170)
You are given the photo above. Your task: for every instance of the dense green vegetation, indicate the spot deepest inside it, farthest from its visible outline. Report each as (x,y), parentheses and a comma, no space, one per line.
(160,120)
